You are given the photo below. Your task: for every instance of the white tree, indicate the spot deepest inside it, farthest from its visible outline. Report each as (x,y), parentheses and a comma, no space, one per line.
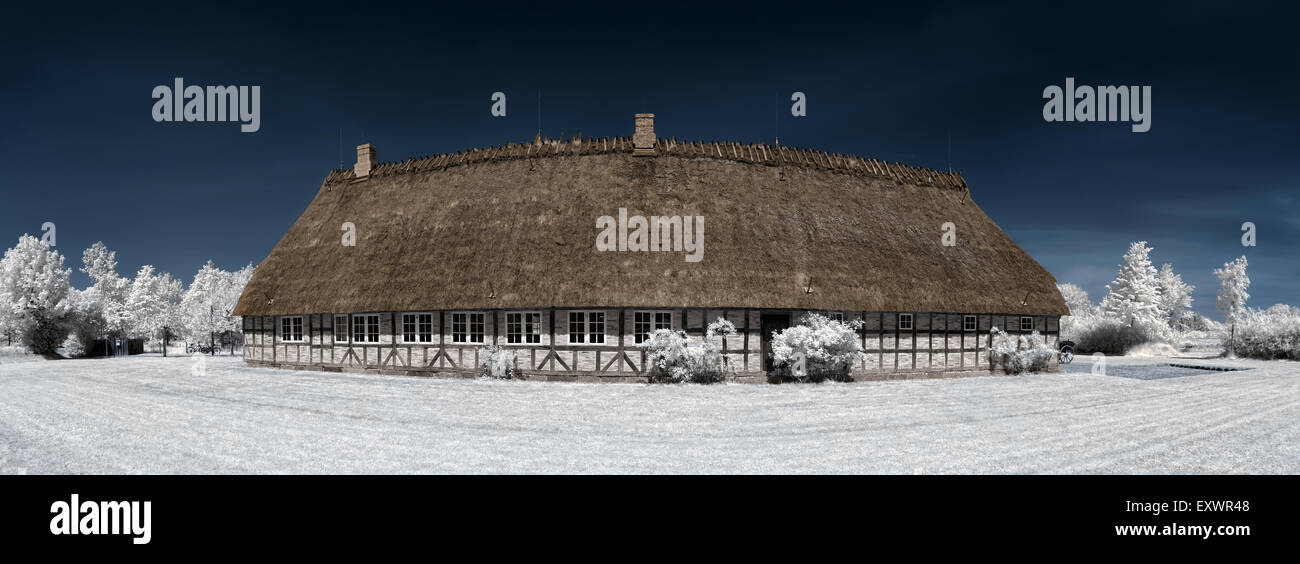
(8,329)
(36,291)
(105,302)
(1076,299)
(1175,296)
(200,307)
(171,321)
(1134,297)
(1231,302)
(235,284)
(144,304)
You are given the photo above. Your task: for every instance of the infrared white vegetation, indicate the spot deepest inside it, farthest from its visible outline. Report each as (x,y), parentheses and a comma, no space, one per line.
(150,414)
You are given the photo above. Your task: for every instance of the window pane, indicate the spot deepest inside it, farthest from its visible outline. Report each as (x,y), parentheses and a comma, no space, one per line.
(476,327)
(577,329)
(426,327)
(533,327)
(596,326)
(340,328)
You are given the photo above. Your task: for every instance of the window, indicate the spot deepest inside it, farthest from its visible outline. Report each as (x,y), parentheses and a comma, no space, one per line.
(365,328)
(291,329)
(417,327)
(524,327)
(969,323)
(1026,324)
(835,315)
(905,322)
(643,322)
(587,326)
(340,328)
(467,327)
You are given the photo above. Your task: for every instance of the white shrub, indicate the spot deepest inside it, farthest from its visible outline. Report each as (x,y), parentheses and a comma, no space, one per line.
(672,357)
(826,347)
(1272,333)
(1024,354)
(72,347)
(499,363)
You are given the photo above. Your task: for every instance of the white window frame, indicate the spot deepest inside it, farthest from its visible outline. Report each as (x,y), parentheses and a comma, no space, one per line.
(467,335)
(529,325)
(974,323)
(418,335)
(585,324)
(346,333)
(655,322)
(286,333)
(1023,319)
(361,321)
(910,319)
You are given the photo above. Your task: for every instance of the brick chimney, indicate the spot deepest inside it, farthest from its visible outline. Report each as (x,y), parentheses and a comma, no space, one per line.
(643,141)
(365,160)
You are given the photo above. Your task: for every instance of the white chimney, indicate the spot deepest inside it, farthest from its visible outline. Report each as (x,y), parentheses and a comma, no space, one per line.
(365,160)
(643,141)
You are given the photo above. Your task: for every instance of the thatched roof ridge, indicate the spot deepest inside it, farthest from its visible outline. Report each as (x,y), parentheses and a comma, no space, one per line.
(752,153)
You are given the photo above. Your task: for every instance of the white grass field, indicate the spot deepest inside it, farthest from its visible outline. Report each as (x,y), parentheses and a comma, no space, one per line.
(150,414)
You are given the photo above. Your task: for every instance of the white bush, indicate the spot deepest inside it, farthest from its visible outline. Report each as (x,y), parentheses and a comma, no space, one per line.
(1024,354)
(673,357)
(72,347)
(1099,333)
(499,363)
(826,347)
(1272,333)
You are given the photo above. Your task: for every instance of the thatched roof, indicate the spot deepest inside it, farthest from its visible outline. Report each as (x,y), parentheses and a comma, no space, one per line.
(515,227)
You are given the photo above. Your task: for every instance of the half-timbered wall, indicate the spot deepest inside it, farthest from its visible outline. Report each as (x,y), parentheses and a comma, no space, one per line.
(938,342)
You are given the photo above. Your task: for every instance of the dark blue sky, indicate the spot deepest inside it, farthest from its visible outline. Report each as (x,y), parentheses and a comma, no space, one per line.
(79,146)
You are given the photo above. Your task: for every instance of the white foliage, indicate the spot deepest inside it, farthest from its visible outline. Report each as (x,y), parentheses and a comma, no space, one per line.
(34,290)
(499,363)
(1233,283)
(1134,298)
(827,347)
(674,357)
(103,309)
(1021,354)
(1175,296)
(207,305)
(1272,333)
(72,346)
(720,327)
(1076,299)
(152,301)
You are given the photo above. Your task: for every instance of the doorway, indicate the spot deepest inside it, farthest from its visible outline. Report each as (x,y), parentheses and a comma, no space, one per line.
(769,322)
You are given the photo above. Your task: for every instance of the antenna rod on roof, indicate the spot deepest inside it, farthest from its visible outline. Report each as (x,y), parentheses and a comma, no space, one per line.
(949,149)
(539,113)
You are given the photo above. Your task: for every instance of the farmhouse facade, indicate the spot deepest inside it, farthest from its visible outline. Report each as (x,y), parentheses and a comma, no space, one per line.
(454,252)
